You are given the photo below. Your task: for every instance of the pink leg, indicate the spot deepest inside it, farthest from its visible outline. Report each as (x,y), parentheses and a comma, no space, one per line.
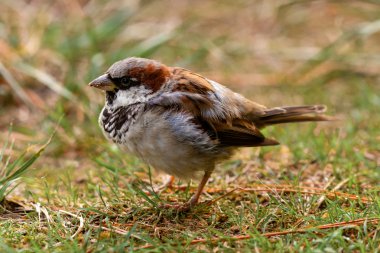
(167,184)
(194,199)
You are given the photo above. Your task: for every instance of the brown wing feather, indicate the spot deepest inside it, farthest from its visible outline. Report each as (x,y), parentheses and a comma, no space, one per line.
(187,81)
(288,114)
(242,134)
(190,93)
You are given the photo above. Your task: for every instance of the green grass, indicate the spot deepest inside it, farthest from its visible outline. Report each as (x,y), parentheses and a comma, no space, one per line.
(85,195)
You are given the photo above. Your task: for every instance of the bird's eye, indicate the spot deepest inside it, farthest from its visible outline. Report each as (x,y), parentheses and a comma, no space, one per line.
(125,80)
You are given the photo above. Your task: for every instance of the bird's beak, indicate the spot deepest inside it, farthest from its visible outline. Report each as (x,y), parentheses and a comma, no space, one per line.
(103,82)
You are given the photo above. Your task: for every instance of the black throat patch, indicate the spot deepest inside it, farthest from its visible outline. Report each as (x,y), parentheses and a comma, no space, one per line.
(110,96)
(116,122)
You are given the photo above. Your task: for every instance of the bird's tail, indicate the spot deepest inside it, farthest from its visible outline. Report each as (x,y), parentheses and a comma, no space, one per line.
(288,114)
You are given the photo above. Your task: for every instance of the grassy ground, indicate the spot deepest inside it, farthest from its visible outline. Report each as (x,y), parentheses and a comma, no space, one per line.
(318,191)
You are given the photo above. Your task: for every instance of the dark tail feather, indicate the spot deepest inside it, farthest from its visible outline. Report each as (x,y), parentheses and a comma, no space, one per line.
(289,114)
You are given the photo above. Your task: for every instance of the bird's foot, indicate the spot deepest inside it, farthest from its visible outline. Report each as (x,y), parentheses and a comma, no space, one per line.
(168,184)
(184,207)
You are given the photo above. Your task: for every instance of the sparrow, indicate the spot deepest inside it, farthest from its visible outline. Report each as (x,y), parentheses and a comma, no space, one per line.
(182,123)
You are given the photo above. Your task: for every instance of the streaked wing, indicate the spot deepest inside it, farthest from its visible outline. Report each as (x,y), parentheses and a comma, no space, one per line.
(198,96)
(242,134)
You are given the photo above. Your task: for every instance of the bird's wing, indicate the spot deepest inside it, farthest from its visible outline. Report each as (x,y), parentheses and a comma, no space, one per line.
(216,109)
(242,133)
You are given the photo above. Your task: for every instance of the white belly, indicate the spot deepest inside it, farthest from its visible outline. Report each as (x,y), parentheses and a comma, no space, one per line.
(170,143)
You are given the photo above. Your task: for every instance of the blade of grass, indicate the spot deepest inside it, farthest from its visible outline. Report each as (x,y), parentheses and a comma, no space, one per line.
(331,50)
(147,47)
(46,79)
(3,189)
(152,191)
(107,166)
(11,175)
(15,86)
(143,194)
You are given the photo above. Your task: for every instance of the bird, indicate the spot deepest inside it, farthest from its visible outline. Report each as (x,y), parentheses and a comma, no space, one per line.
(182,123)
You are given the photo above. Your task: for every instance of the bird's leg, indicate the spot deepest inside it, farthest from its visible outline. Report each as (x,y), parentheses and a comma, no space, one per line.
(194,199)
(168,183)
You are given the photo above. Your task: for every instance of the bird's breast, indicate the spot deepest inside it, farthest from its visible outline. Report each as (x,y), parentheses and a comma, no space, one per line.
(169,141)
(116,122)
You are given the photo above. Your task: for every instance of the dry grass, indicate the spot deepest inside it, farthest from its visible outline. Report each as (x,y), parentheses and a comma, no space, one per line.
(317,192)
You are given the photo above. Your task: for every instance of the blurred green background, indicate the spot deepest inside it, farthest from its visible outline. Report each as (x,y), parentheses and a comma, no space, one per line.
(273,52)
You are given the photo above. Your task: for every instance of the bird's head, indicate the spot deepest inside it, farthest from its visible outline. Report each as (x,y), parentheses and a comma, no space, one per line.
(132,80)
